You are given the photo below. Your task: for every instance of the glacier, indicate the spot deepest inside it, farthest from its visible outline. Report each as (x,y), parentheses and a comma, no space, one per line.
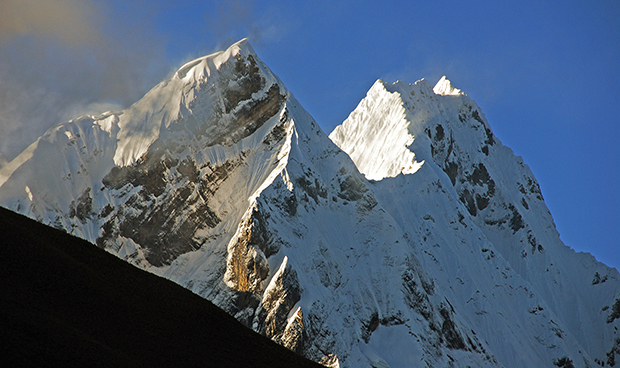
(409,237)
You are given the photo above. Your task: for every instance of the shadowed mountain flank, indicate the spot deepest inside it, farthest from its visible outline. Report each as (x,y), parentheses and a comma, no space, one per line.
(65,302)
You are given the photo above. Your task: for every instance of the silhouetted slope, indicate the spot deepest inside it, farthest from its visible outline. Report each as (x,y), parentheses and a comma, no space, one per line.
(65,302)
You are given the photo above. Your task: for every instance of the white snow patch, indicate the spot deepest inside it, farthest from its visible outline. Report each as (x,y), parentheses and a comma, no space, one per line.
(107,122)
(445,88)
(7,170)
(29,192)
(376,135)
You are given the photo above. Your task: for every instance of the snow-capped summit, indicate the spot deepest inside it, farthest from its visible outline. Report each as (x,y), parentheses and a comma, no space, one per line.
(219,180)
(498,198)
(195,90)
(445,88)
(202,67)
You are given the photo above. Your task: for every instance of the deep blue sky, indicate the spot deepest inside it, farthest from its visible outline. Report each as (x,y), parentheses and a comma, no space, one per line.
(545,73)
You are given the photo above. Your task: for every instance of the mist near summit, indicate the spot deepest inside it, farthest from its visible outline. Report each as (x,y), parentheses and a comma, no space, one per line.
(63,59)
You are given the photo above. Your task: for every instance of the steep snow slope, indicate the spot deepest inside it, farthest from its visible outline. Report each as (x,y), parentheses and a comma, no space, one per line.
(444,131)
(220,181)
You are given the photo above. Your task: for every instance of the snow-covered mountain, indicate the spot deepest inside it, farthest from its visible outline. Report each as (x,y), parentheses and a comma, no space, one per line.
(426,244)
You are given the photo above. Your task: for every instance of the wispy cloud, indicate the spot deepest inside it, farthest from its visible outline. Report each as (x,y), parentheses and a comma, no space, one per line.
(63,58)
(60,59)
(229,21)
(69,21)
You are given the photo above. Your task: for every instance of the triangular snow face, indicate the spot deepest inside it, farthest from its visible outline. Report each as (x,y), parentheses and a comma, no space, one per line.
(219,180)
(445,88)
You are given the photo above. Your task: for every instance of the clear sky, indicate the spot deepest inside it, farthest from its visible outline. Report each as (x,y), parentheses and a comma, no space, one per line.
(545,73)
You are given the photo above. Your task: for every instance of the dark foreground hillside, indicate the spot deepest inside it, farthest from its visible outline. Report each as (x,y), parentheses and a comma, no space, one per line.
(65,302)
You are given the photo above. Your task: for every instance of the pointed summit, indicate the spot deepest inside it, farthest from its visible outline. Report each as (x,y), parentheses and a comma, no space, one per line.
(445,88)
(203,65)
(222,97)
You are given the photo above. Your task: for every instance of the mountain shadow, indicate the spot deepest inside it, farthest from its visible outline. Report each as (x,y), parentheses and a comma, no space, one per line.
(65,302)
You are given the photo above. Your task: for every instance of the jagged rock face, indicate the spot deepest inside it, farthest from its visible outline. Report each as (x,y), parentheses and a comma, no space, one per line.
(247,265)
(166,193)
(232,113)
(278,300)
(149,215)
(220,181)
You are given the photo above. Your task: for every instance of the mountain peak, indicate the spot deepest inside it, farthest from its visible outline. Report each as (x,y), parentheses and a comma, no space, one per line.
(205,97)
(445,88)
(200,67)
